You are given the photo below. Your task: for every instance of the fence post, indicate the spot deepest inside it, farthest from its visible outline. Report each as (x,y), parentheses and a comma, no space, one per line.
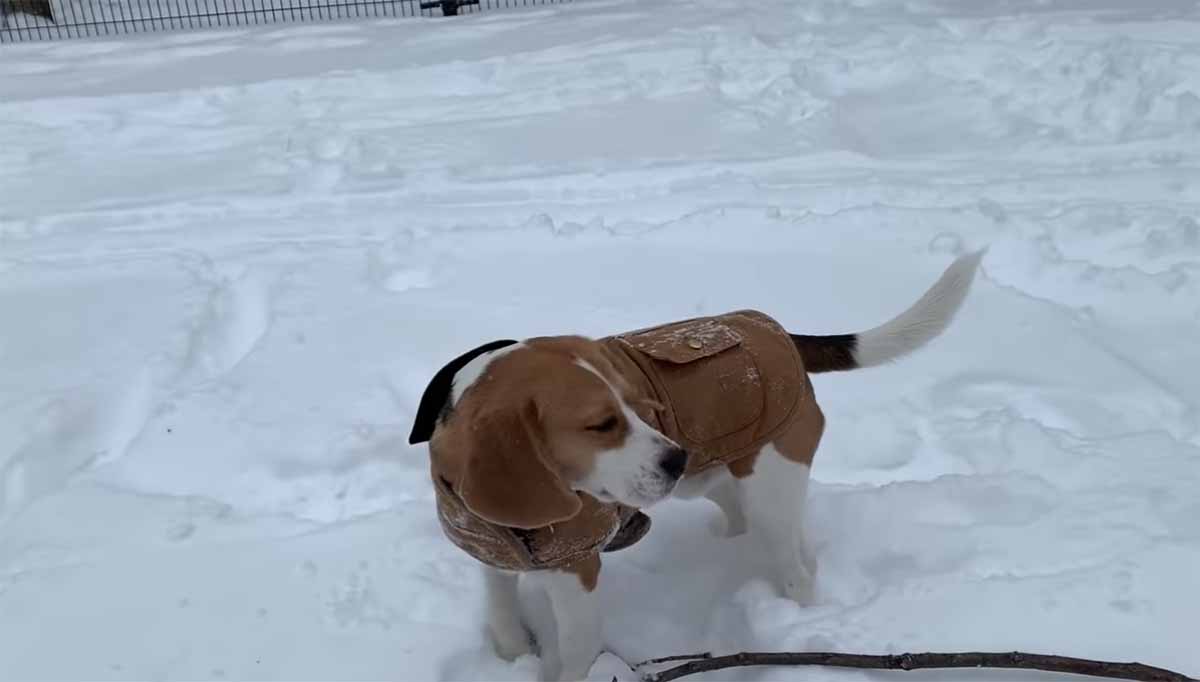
(449,7)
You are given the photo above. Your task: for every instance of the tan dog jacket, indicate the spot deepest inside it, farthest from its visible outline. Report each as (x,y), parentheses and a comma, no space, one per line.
(728,384)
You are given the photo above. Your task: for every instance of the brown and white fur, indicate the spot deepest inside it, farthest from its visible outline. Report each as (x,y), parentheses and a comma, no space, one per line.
(563,392)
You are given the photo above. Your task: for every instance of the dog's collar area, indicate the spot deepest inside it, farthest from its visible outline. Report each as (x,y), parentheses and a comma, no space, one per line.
(634,526)
(599,527)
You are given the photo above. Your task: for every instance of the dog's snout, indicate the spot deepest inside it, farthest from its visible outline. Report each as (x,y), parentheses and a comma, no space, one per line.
(674,462)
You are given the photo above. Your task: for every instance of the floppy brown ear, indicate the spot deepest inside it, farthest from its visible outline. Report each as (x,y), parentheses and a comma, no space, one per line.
(507,480)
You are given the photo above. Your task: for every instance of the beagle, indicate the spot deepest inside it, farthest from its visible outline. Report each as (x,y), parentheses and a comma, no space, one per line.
(543,451)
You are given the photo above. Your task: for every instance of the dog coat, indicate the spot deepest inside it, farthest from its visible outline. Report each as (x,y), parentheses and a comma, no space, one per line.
(728,385)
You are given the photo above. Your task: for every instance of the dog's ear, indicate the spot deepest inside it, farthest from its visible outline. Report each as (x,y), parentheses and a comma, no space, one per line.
(507,478)
(436,399)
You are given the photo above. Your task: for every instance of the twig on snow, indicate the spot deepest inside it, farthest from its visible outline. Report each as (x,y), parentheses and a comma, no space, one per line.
(668,659)
(698,663)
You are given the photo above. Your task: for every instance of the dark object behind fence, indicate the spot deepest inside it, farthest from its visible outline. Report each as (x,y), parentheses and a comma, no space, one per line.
(25,20)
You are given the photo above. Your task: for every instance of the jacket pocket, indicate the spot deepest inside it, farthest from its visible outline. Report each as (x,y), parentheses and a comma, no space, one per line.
(704,370)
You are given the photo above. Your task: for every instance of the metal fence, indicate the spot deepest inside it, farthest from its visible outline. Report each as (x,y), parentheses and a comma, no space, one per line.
(24,20)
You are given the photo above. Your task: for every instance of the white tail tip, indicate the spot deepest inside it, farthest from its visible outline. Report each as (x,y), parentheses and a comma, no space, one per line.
(924,320)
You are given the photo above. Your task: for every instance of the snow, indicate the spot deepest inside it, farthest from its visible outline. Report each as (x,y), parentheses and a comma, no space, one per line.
(229,262)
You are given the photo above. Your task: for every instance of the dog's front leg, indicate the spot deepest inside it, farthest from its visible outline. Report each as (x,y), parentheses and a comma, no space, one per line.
(572,594)
(508,633)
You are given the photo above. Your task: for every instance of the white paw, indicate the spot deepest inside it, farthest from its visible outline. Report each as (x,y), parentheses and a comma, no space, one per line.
(800,588)
(723,527)
(608,667)
(575,669)
(801,593)
(799,581)
(573,676)
(512,642)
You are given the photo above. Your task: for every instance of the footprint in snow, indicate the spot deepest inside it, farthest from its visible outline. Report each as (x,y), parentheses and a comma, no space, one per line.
(74,434)
(236,317)
(391,267)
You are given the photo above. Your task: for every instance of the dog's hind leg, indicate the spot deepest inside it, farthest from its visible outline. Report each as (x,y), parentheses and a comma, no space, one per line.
(773,498)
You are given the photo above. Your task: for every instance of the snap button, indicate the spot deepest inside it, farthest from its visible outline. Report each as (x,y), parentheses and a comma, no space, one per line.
(695,344)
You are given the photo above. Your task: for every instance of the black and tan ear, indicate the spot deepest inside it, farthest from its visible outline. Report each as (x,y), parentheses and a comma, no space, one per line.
(507,479)
(435,402)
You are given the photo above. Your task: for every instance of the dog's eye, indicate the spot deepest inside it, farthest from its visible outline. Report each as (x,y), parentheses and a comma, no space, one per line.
(604,426)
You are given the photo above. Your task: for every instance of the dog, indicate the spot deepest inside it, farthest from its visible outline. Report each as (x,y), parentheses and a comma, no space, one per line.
(544,451)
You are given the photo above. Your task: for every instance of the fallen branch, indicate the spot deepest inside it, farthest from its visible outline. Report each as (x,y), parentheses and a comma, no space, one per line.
(698,663)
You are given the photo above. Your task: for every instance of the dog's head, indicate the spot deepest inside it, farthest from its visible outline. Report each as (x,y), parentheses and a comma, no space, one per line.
(518,428)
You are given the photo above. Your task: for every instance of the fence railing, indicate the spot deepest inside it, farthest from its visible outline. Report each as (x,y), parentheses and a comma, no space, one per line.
(25,20)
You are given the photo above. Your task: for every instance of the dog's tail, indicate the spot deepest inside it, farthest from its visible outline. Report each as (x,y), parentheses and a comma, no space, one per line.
(899,336)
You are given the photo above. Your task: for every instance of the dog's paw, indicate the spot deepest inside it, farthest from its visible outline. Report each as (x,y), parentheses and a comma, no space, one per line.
(724,527)
(799,584)
(511,643)
(581,674)
(578,666)
(800,591)
(608,667)
(800,587)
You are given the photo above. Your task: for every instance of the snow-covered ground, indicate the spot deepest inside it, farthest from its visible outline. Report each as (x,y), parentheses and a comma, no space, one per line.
(229,261)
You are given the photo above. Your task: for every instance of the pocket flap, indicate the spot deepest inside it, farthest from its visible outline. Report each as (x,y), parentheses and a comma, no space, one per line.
(684,343)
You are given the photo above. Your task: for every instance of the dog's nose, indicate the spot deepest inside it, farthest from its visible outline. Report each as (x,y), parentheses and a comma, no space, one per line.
(674,462)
